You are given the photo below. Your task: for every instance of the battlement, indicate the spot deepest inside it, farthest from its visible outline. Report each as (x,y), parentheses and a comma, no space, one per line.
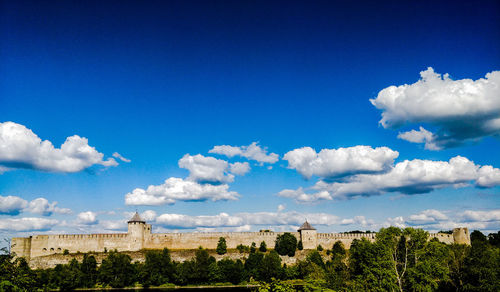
(139,237)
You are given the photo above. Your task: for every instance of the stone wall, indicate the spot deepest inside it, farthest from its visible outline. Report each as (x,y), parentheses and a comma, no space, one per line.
(210,239)
(139,237)
(50,261)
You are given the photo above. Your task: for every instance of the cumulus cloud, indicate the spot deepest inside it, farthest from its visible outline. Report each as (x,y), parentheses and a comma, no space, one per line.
(12,205)
(87,218)
(331,163)
(177,189)
(461,110)
(427,217)
(436,220)
(206,169)
(281,207)
(482,216)
(117,155)
(251,152)
(359,220)
(300,196)
(239,168)
(245,219)
(407,177)
(41,206)
(148,215)
(21,148)
(420,136)
(27,224)
(118,225)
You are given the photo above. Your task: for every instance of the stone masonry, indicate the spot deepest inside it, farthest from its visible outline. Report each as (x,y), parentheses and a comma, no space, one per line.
(139,236)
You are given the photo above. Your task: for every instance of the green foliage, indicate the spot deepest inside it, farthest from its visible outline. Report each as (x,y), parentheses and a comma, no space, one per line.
(117,270)
(221,246)
(252,264)
(286,244)
(276,286)
(253,247)
(157,269)
(263,247)
(319,248)
(243,248)
(270,267)
(65,252)
(300,246)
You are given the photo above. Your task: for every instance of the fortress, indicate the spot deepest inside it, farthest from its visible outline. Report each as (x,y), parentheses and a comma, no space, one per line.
(139,236)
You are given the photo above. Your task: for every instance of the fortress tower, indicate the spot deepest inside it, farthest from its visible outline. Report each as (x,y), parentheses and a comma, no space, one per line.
(461,235)
(308,235)
(138,231)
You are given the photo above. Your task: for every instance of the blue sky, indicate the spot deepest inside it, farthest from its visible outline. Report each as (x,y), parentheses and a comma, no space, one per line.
(158,80)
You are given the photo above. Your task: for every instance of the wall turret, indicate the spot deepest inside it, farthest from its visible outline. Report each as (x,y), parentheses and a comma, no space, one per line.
(461,235)
(308,235)
(137,228)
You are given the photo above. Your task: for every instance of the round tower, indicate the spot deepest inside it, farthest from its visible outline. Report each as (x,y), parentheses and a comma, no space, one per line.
(308,235)
(136,230)
(461,235)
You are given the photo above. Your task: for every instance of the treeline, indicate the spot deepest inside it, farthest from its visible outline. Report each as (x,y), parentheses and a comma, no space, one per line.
(399,260)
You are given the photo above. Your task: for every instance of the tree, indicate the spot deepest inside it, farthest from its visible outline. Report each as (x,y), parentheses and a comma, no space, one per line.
(89,271)
(202,261)
(157,268)
(252,265)
(263,246)
(221,246)
(70,276)
(116,270)
(253,247)
(370,267)
(300,246)
(286,244)
(270,267)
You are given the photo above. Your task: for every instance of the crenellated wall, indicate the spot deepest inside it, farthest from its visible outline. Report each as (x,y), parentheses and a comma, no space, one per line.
(139,237)
(210,239)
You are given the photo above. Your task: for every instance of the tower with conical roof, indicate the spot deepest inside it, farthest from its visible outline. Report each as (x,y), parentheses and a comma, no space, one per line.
(308,236)
(138,230)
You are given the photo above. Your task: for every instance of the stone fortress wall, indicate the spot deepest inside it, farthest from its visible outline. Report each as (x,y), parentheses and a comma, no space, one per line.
(139,237)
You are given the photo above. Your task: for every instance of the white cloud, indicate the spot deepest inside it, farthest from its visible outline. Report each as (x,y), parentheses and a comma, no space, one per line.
(27,224)
(186,221)
(12,205)
(148,215)
(21,148)
(420,136)
(281,207)
(240,168)
(436,220)
(251,152)
(245,219)
(117,155)
(300,196)
(427,217)
(120,225)
(358,220)
(178,189)
(407,177)
(206,169)
(87,218)
(461,110)
(488,177)
(331,163)
(482,216)
(41,206)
